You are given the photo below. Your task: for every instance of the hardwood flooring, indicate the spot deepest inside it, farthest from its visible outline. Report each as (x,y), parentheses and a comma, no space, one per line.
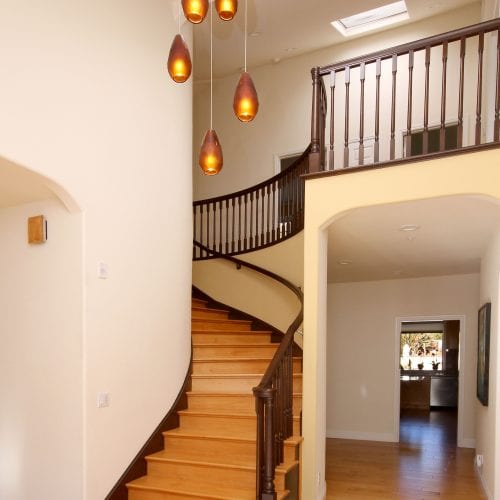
(424,465)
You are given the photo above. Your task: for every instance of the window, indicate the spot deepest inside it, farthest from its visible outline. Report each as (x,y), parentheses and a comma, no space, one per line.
(417,140)
(421,350)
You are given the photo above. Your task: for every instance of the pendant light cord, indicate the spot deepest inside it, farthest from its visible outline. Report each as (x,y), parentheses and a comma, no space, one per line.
(179,16)
(246,13)
(211,69)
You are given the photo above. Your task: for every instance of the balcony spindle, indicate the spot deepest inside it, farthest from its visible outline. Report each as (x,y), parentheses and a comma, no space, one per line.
(460,128)
(331,160)
(376,147)
(425,146)
(246,240)
(442,130)
(496,133)
(410,101)
(347,76)
(361,150)
(479,102)
(220,226)
(393,107)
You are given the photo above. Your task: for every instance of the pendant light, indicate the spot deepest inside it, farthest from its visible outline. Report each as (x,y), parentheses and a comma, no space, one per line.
(195,10)
(179,61)
(226,9)
(246,101)
(211,159)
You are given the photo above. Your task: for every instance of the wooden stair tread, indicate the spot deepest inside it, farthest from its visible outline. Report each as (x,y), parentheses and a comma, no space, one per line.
(205,413)
(179,486)
(229,394)
(233,375)
(229,332)
(226,320)
(232,358)
(211,309)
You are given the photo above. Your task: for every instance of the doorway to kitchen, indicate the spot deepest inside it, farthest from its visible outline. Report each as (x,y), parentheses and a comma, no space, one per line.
(429,409)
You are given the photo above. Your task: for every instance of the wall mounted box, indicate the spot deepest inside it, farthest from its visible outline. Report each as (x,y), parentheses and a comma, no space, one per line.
(37,230)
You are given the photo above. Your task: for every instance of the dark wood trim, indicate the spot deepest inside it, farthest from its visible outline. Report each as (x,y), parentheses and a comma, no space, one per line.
(404,161)
(138,466)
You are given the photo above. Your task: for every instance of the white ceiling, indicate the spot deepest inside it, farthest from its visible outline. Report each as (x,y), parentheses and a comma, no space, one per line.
(18,185)
(453,235)
(287,28)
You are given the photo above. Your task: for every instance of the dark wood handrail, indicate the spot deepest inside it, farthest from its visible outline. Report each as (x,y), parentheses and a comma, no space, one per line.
(404,122)
(431,41)
(252,218)
(274,394)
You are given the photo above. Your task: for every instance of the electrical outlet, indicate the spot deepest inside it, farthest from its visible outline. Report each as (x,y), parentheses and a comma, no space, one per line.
(318,478)
(479,460)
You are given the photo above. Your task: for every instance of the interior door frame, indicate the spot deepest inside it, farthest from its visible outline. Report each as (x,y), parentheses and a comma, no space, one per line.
(461,441)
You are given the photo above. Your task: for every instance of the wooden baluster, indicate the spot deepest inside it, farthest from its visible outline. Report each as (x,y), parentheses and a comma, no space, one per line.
(376,147)
(227,225)
(289,384)
(239,223)
(347,73)
(194,231)
(393,107)
(269,230)
(202,241)
(274,215)
(257,233)
(220,226)
(410,102)
(442,130)
(252,234)
(425,145)
(479,88)
(361,150)
(331,160)
(496,133)
(460,128)
(214,223)
(246,240)
(315,154)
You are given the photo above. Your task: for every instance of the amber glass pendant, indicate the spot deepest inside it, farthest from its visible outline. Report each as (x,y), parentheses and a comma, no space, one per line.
(195,10)
(226,9)
(246,101)
(179,61)
(211,160)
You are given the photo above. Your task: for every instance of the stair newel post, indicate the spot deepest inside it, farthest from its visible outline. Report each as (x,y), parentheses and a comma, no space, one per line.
(259,410)
(315,154)
(266,490)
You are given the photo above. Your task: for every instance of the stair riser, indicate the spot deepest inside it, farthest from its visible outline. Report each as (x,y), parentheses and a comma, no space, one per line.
(206,474)
(225,426)
(210,449)
(209,314)
(236,403)
(241,366)
(229,338)
(204,324)
(220,451)
(225,385)
(198,303)
(244,351)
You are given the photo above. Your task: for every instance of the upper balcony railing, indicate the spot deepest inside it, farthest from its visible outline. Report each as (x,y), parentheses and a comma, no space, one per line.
(433,95)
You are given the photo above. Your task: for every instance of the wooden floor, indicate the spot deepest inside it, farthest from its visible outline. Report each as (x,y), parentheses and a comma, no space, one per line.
(425,465)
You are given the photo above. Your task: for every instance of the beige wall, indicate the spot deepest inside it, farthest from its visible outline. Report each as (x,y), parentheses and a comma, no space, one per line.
(87,101)
(326,199)
(362,354)
(41,355)
(248,291)
(283,123)
(488,432)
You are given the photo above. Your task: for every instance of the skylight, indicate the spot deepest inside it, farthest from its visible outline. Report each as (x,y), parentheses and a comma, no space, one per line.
(372,19)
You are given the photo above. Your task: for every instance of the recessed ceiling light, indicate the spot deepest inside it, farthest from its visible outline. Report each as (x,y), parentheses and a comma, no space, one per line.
(372,19)
(344,262)
(408,228)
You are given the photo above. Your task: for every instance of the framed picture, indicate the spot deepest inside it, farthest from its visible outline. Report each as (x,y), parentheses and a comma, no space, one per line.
(483,353)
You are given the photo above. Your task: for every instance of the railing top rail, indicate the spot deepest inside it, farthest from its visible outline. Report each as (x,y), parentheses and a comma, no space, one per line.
(432,41)
(262,184)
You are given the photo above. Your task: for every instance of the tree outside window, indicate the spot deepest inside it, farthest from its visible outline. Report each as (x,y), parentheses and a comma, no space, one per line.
(421,351)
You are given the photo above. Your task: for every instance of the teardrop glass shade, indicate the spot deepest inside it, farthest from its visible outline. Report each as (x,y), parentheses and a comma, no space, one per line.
(246,101)
(226,9)
(179,61)
(195,10)
(211,160)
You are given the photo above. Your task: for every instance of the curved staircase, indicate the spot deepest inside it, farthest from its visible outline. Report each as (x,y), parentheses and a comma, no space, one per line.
(212,454)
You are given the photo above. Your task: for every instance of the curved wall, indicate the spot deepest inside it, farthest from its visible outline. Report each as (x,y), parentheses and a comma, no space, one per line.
(86,101)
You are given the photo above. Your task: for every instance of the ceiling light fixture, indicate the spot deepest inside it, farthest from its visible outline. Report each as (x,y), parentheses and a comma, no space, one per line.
(372,19)
(408,228)
(195,10)
(226,9)
(211,159)
(179,61)
(246,101)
